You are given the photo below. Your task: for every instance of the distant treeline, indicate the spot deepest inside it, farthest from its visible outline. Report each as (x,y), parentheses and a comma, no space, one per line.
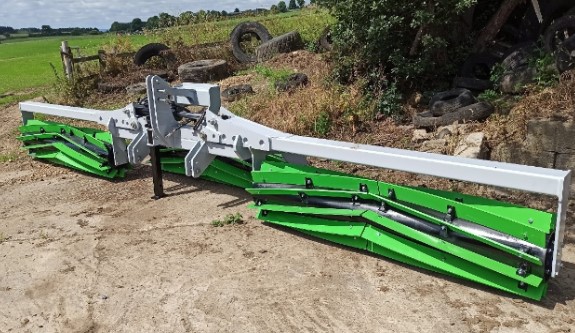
(165,20)
(46,30)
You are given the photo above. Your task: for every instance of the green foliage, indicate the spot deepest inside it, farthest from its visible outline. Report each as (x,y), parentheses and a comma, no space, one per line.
(292,5)
(282,7)
(300,3)
(272,74)
(497,73)
(489,96)
(412,45)
(544,63)
(322,124)
(230,219)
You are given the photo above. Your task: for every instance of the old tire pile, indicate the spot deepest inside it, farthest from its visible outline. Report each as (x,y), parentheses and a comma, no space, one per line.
(457,105)
(238,34)
(151,50)
(204,71)
(282,44)
(559,39)
(234,93)
(449,101)
(293,81)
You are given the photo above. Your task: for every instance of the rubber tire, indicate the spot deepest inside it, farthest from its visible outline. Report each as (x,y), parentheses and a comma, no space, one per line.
(202,71)
(247,28)
(564,58)
(293,81)
(518,58)
(561,23)
(282,44)
(136,88)
(483,61)
(473,112)
(111,87)
(514,83)
(152,50)
(449,101)
(472,83)
(446,95)
(234,93)
(325,39)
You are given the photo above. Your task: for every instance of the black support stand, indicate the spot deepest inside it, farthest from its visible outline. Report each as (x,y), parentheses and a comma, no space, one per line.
(156,167)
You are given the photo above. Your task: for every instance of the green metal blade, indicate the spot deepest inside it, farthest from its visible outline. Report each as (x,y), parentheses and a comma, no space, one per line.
(282,190)
(82,149)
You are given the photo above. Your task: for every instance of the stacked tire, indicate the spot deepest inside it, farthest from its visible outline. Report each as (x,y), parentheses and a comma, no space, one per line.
(282,44)
(456,105)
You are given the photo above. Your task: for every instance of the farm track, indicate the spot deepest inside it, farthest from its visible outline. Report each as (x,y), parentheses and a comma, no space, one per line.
(81,254)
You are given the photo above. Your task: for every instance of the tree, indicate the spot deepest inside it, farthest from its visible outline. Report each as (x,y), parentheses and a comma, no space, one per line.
(115,26)
(201,16)
(166,20)
(237,10)
(46,29)
(186,18)
(282,7)
(292,5)
(301,3)
(136,25)
(153,23)
(224,13)
(274,9)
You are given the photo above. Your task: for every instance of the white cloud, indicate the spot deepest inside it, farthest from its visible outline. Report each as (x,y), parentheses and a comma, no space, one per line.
(101,13)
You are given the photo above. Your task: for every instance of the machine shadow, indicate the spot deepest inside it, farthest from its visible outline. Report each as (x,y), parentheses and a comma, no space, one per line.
(560,290)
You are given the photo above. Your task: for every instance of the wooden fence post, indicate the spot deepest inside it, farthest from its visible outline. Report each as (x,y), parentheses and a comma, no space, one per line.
(67,57)
(102,60)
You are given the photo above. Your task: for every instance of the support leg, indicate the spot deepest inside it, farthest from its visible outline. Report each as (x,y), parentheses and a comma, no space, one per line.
(156,167)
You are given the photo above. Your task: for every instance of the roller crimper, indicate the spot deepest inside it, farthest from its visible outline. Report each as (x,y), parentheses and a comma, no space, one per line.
(512,248)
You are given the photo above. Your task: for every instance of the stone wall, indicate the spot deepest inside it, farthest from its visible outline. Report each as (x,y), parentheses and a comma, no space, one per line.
(549,144)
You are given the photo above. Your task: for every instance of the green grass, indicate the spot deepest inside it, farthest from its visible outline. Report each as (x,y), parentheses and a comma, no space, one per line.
(25,64)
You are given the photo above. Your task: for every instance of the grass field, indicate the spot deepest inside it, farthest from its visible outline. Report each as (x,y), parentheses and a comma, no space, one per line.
(25,69)
(25,64)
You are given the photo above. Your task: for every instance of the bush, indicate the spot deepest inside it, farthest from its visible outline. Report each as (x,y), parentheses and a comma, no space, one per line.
(391,43)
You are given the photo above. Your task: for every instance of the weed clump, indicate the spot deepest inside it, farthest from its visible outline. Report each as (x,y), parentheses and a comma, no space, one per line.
(230,219)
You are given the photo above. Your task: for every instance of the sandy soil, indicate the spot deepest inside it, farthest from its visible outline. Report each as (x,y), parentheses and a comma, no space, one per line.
(80,254)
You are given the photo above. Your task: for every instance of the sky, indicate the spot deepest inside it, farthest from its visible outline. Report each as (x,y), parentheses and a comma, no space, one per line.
(102,13)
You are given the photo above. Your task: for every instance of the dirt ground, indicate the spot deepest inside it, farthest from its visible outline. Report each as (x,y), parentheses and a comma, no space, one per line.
(82,254)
